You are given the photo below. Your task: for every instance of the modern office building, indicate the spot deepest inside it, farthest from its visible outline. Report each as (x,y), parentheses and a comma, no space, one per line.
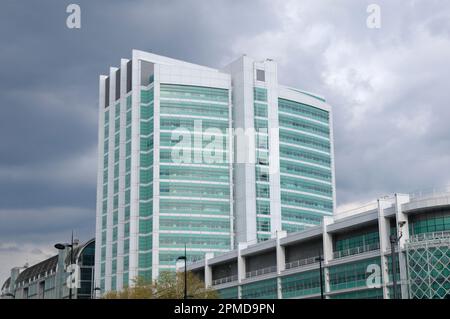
(286,178)
(172,171)
(354,250)
(47,279)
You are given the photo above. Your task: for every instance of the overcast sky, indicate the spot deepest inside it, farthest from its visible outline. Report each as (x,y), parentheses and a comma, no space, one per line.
(389,89)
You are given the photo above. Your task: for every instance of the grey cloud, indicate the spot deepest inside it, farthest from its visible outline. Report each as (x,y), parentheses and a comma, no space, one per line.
(36,251)
(48,93)
(8,248)
(32,224)
(388,89)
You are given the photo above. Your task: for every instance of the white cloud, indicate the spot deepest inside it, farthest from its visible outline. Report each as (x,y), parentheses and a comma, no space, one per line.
(28,235)
(15,255)
(387,87)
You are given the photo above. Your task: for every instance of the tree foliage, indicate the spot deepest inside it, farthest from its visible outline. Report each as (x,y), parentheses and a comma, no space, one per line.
(169,285)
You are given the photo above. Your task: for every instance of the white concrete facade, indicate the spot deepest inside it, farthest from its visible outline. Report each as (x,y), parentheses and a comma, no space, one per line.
(244,79)
(393,211)
(167,71)
(118,258)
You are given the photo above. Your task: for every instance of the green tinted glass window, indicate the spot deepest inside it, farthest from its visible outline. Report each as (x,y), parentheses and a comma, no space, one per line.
(264,289)
(228,293)
(300,200)
(145,226)
(290,122)
(302,284)
(260,94)
(145,260)
(303,110)
(145,243)
(145,209)
(193,92)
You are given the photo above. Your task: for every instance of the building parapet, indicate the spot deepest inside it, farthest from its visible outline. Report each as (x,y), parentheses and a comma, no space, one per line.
(296,263)
(355,250)
(260,272)
(224,280)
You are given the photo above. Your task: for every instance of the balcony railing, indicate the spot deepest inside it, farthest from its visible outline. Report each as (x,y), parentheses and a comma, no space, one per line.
(430,236)
(260,272)
(224,280)
(430,192)
(356,210)
(302,262)
(355,251)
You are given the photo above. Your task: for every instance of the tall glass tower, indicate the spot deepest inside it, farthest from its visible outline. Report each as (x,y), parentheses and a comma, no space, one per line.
(170,172)
(289,183)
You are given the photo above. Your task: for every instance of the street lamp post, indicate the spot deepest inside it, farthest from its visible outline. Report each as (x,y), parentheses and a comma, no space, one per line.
(62,247)
(95,292)
(185,271)
(321,274)
(71,262)
(394,242)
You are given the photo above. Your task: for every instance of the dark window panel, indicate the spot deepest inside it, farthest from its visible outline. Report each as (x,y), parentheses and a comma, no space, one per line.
(107,92)
(129,73)
(117,84)
(261,75)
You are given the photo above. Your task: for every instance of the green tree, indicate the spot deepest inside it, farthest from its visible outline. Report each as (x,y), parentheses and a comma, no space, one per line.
(169,285)
(141,289)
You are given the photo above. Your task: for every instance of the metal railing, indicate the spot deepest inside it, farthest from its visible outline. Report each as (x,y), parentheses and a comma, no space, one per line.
(355,251)
(302,262)
(343,213)
(224,280)
(357,210)
(430,236)
(260,272)
(430,192)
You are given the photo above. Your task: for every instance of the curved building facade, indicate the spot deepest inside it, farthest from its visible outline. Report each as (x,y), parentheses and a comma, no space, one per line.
(47,279)
(353,251)
(172,172)
(428,254)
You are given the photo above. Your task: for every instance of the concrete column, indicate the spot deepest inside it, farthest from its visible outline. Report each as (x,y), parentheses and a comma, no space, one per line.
(101,138)
(241,262)
(281,252)
(279,289)
(327,255)
(134,180)
(110,198)
(384,231)
(271,84)
(242,72)
(12,284)
(403,234)
(281,259)
(241,267)
(208,270)
(156,168)
(122,155)
(60,274)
